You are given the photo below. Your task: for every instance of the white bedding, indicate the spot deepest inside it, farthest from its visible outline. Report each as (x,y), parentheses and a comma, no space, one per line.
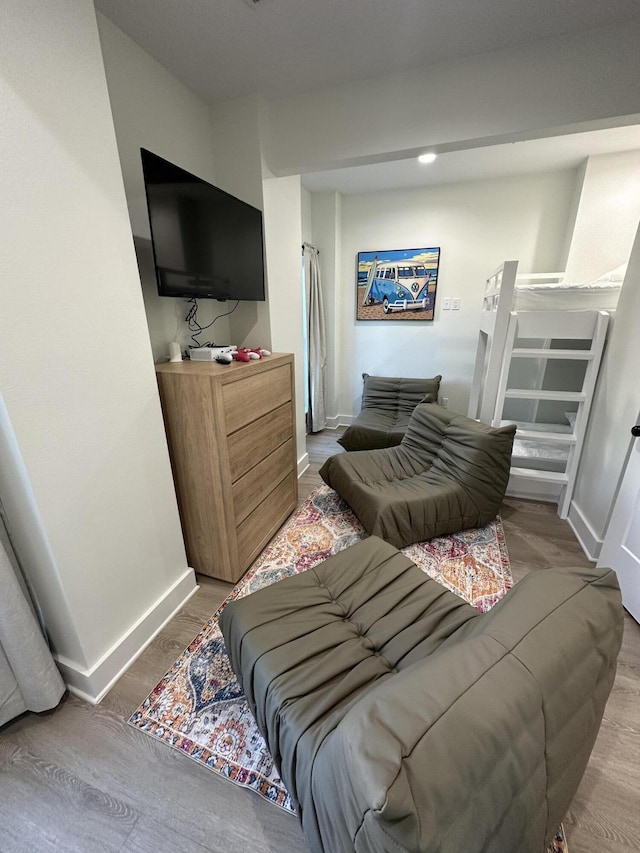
(540,449)
(583,296)
(528,453)
(599,295)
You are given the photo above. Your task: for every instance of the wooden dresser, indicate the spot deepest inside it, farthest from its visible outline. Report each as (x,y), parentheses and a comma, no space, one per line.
(231,435)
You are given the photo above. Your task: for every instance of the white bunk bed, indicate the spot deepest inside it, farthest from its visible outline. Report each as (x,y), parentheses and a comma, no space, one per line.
(539,348)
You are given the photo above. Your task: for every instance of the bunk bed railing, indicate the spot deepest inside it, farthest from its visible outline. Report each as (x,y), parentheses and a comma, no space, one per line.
(494,320)
(541,277)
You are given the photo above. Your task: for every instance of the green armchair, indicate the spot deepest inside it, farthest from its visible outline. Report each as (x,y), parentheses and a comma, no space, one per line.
(449,473)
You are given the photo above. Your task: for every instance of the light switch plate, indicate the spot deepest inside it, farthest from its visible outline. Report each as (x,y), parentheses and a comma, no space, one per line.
(446,304)
(455,304)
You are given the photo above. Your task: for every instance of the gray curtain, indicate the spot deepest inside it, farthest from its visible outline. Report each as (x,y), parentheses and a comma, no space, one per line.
(317,340)
(29,679)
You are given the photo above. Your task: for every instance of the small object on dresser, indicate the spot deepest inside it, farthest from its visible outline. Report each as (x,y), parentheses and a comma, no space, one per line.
(250,353)
(208,353)
(175,353)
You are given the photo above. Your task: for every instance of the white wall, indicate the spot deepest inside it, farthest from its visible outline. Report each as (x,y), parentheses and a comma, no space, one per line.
(237,128)
(82,430)
(283,239)
(477,225)
(326,210)
(306,217)
(237,150)
(607,217)
(153,110)
(615,408)
(517,93)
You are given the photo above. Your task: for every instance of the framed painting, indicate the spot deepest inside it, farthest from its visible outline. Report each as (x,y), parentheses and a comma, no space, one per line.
(399,284)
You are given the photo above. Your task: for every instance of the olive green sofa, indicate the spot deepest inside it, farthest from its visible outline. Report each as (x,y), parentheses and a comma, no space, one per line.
(402,720)
(387,405)
(449,473)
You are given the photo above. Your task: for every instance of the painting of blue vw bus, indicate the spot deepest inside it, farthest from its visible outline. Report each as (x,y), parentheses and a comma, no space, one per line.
(400,283)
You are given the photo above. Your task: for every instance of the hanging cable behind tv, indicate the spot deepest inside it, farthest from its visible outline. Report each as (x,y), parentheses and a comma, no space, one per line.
(191,319)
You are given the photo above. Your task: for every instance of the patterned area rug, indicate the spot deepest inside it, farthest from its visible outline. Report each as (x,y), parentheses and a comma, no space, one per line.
(198,707)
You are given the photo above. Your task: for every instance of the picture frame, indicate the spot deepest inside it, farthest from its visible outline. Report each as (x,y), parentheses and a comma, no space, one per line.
(397,284)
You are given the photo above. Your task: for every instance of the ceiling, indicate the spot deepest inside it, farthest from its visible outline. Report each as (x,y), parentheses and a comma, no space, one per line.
(227,48)
(517,158)
(223,49)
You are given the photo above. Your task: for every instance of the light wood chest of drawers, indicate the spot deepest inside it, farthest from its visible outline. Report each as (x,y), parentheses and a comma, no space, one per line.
(231,436)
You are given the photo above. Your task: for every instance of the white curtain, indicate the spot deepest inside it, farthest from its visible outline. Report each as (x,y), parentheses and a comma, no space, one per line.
(316,338)
(29,679)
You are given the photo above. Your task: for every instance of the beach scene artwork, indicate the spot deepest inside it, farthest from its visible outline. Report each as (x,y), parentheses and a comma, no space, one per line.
(398,284)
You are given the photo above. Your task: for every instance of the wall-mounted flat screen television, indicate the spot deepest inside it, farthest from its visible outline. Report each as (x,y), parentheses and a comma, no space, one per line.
(206,243)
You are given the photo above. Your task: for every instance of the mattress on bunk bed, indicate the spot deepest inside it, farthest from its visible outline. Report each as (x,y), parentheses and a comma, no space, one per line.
(546,455)
(539,454)
(600,294)
(593,295)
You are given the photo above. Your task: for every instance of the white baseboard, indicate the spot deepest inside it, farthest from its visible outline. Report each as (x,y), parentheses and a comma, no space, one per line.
(303,464)
(590,543)
(339,421)
(93,683)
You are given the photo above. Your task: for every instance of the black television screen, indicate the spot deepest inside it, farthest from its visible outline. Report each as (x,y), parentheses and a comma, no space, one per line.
(206,243)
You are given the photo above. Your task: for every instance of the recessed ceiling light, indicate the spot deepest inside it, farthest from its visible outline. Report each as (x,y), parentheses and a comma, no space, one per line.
(427,158)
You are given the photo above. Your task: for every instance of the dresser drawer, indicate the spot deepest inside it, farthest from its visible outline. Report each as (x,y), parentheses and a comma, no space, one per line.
(248,400)
(250,489)
(258,527)
(251,444)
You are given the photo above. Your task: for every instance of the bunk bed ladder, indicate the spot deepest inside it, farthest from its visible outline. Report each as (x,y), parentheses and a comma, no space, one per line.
(547,327)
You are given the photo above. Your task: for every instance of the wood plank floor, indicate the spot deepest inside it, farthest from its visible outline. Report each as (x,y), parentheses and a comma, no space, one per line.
(81,779)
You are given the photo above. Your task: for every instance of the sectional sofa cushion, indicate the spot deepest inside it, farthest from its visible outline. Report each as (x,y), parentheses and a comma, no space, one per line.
(449,473)
(387,405)
(404,721)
